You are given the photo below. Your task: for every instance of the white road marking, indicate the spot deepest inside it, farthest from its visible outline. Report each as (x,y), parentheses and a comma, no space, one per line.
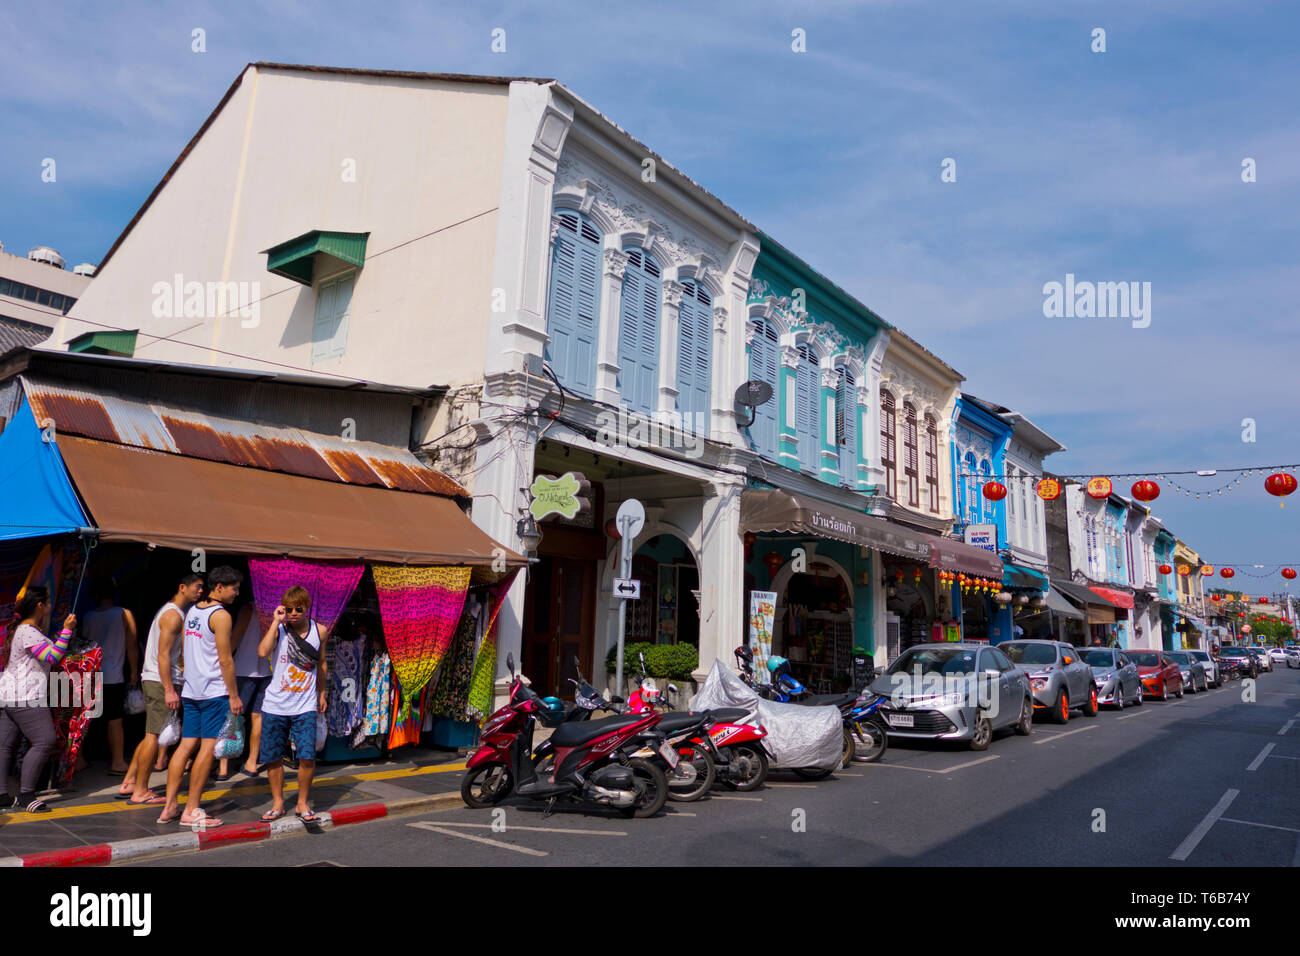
(727,796)
(1188,845)
(1251,823)
(1254,764)
(1138,714)
(434,828)
(678,813)
(1286,727)
(511,826)
(960,766)
(1283,756)
(841,773)
(794,786)
(1048,740)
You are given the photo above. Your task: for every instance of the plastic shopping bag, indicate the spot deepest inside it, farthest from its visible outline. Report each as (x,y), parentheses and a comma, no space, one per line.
(230,743)
(134,703)
(171,734)
(322,732)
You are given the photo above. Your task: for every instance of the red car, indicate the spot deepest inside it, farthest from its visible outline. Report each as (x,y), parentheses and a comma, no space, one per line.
(1158,673)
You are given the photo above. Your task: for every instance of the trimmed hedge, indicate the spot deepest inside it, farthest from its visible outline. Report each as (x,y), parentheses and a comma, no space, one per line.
(670,661)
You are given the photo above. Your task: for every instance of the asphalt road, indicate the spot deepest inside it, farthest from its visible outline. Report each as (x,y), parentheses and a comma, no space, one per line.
(1211,780)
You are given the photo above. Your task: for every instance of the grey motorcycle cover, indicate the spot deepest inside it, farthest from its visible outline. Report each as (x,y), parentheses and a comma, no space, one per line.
(797,736)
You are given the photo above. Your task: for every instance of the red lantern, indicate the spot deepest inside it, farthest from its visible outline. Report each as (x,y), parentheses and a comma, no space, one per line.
(1262,599)
(1280,484)
(1049,489)
(1215,598)
(1166,569)
(1146,490)
(1227,573)
(1184,569)
(1098,488)
(916,575)
(773,562)
(1288,573)
(611,529)
(1241,614)
(995,491)
(750,538)
(1207,570)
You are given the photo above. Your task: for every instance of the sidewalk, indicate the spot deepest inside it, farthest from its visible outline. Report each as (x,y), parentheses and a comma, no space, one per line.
(89,826)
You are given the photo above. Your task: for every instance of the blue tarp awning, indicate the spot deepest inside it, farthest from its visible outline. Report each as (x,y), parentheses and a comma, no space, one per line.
(1019,576)
(36,495)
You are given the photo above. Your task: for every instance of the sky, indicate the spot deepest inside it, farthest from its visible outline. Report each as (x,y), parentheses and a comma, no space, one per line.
(1122,165)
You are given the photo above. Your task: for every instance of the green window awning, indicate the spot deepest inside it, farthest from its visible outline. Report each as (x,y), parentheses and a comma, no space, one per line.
(297,258)
(105,343)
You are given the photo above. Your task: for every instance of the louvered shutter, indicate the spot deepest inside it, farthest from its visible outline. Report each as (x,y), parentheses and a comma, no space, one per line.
(763,364)
(888,451)
(638,337)
(322,332)
(694,340)
(574,304)
(342,313)
(805,411)
(846,427)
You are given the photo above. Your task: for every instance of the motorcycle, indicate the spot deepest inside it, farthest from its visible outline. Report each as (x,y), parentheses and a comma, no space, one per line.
(589,761)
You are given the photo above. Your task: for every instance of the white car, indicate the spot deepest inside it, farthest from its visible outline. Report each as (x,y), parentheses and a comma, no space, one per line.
(1293,657)
(1278,655)
(1212,673)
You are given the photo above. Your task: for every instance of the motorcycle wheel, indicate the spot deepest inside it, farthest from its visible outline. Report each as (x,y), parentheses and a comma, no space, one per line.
(873,742)
(699,782)
(486,786)
(850,748)
(812,773)
(753,768)
(652,787)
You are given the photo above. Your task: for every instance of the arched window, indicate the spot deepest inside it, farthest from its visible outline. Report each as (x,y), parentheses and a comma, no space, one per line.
(970,505)
(694,347)
(807,399)
(846,426)
(573,307)
(910,463)
(888,443)
(764,363)
(638,332)
(932,462)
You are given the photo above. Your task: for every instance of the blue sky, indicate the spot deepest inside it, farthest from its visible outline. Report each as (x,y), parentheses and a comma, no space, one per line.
(1115,166)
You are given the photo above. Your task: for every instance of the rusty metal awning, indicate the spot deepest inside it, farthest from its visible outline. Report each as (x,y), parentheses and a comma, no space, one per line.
(294,451)
(175,501)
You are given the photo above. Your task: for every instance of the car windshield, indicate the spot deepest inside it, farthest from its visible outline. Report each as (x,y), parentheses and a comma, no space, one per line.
(1200,655)
(1232,652)
(1029,653)
(1180,656)
(935,660)
(1100,658)
(1145,658)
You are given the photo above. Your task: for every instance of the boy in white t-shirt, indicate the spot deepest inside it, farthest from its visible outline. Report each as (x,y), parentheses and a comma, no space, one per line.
(295,645)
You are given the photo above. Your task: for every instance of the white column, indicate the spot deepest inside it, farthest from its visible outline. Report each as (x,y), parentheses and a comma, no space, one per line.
(722,574)
(611,305)
(670,317)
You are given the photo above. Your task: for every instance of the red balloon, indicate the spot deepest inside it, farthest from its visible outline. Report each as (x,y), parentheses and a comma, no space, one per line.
(995,491)
(1146,490)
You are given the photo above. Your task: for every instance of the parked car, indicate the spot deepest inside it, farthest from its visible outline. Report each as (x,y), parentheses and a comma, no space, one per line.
(1060,678)
(954,692)
(1292,656)
(1191,670)
(1247,665)
(1213,674)
(1277,654)
(1158,673)
(1115,675)
(1260,655)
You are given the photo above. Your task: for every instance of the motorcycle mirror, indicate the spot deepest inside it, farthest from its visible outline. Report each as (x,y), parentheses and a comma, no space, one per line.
(672,687)
(510,663)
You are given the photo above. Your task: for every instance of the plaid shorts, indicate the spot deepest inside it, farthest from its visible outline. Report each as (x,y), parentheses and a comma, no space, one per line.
(277,731)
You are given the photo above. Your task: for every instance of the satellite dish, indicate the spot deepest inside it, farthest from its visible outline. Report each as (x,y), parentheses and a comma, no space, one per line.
(752,394)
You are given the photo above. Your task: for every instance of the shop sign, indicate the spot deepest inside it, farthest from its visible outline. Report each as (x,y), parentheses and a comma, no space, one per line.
(984,536)
(762,620)
(559,496)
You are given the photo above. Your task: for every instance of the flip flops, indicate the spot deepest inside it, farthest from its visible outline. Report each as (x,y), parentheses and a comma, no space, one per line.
(309,817)
(270,816)
(223,777)
(152,801)
(201,821)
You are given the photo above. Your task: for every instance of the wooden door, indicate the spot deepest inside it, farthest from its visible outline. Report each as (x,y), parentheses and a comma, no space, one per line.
(560,616)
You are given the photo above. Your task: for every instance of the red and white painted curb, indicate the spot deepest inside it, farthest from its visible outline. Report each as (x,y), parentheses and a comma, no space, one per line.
(189,841)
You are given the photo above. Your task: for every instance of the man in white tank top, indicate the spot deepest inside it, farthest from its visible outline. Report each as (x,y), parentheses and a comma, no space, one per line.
(162,663)
(113,629)
(208,698)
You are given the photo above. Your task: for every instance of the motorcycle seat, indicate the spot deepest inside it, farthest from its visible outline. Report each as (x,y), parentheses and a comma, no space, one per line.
(680,720)
(577,734)
(729,715)
(828,700)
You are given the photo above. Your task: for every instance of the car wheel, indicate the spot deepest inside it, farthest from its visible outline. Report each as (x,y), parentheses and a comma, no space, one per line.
(983,734)
(1192,689)
(1164,691)
(1119,697)
(1138,700)
(1061,709)
(1025,725)
(1090,708)
(1179,693)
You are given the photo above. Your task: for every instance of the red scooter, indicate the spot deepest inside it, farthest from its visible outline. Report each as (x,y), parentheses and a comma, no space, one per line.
(589,763)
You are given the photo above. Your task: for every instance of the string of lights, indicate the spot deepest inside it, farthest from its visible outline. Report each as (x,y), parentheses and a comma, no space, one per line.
(1242,473)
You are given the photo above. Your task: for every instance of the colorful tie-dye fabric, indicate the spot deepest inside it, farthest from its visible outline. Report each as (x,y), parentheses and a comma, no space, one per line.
(329,584)
(379,695)
(70,723)
(346,698)
(451,691)
(419,608)
(483,681)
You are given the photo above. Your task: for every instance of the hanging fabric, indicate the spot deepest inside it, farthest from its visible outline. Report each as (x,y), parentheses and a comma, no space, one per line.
(451,692)
(379,690)
(329,584)
(420,608)
(347,686)
(70,723)
(483,679)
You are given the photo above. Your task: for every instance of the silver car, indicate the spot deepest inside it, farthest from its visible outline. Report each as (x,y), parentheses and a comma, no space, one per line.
(1193,671)
(1115,675)
(1212,673)
(1060,679)
(954,692)
(1293,657)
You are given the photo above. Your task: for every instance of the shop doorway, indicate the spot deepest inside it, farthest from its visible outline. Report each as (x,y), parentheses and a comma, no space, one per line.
(669,610)
(559,622)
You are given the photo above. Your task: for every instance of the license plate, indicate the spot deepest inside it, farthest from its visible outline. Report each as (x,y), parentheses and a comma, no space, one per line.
(669,753)
(901,720)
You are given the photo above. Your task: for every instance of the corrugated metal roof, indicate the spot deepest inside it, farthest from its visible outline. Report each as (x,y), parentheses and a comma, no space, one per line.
(293,451)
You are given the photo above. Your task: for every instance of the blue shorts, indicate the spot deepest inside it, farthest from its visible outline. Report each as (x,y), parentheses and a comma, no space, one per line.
(204,718)
(276,731)
(252,690)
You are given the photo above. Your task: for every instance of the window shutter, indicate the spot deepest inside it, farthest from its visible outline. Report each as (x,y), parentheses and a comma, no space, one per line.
(694,338)
(846,412)
(807,389)
(342,312)
(322,332)
(638,338)
(574,304)
(763,365)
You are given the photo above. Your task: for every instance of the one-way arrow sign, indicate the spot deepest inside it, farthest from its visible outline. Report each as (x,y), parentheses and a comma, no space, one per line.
(627,589)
